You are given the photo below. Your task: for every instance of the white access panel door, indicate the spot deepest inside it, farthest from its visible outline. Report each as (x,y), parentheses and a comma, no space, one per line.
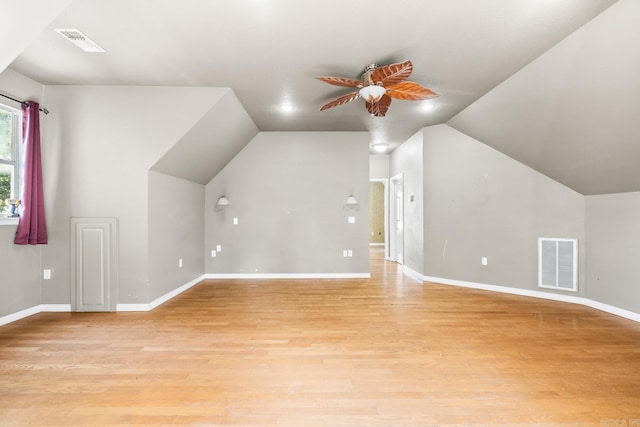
(94,264)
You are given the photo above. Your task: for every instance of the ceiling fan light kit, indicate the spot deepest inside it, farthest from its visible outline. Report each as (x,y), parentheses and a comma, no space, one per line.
(379,84)
(372,93)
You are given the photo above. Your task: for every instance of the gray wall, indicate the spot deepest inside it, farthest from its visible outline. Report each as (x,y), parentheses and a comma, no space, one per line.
(481,203)
(19,265)
(288,191)
(379,166)
(613,249)
(102,141)
(176,230)
(407,160)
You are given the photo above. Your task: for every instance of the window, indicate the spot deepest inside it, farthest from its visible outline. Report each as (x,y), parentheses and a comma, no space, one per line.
(9,159)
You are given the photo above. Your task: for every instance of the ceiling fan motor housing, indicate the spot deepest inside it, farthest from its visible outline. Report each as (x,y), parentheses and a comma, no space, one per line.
(366,76)
(377,86)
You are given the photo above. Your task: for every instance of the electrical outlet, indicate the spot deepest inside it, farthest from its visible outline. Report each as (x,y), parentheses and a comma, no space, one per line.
(46,274)
(219,248)
(485,261)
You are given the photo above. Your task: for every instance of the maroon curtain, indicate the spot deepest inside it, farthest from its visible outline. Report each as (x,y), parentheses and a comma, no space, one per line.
(32,228)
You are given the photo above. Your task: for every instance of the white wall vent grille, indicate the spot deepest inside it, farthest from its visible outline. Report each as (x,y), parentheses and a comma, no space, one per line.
(558,264)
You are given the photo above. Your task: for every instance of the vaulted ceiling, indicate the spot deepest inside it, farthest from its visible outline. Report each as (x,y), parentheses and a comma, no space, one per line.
(518,75)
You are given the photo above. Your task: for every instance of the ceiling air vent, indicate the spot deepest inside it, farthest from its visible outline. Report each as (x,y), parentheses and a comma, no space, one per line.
(83,42)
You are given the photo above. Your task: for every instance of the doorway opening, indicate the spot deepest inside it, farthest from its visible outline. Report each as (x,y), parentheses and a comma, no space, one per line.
(378,217)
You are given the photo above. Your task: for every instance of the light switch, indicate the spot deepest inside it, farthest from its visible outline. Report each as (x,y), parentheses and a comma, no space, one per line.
(235,221)
(484,260)
(214,254)
(351,220)
(219,248)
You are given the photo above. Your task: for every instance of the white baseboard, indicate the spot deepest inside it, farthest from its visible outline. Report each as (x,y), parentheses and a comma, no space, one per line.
(290,276)
(65,308)
(20,315)
(613,310)
(412,273)
(161,300)
(530,293)
(482,286)
(133,307)
(56,308)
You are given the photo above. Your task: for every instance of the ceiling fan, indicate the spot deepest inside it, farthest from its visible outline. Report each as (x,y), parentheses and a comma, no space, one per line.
(378,85)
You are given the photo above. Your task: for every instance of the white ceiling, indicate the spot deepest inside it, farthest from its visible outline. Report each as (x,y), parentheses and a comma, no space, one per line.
(269,51)
(540,80)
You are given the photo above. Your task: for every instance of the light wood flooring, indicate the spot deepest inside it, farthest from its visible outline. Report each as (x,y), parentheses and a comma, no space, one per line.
(382,352)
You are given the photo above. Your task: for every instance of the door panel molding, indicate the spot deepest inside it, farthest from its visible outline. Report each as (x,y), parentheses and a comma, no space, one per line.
(94,264)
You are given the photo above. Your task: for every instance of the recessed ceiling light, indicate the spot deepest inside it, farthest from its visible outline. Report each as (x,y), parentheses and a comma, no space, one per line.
(83,42)
(380,148)
(286,108)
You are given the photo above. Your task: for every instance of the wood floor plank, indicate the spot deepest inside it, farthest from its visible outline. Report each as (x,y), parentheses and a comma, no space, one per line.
(388,351)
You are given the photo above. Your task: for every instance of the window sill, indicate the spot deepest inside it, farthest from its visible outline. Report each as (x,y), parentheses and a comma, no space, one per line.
(8,221)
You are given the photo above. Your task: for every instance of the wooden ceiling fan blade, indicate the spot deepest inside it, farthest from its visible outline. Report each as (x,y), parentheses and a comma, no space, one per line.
(392,74)
(410,91)
(340,100)
(379,109)
(341,81)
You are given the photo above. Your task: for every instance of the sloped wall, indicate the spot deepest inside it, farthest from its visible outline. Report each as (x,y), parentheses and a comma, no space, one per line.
(480,203)
(211,143)
(572,113)
(21,22)
(101,143)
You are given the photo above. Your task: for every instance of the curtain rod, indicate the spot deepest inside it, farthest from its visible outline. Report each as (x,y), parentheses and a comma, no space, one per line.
(44,110)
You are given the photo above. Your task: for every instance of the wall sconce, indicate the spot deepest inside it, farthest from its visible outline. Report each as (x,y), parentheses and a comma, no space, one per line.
(351,201)
(223,201)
